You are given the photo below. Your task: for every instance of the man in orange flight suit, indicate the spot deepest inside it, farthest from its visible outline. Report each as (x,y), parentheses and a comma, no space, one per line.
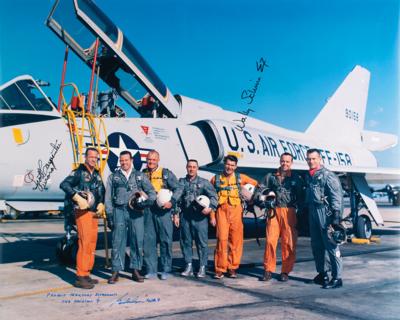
(86,178)
(228,218)
(288,188)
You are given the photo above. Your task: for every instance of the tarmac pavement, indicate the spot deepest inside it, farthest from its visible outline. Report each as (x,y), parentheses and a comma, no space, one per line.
(35,286)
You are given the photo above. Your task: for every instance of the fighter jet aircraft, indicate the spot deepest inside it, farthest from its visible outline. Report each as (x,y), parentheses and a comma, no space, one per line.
(40,150)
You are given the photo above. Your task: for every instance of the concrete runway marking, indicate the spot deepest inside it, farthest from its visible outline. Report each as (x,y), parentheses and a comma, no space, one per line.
(33,293)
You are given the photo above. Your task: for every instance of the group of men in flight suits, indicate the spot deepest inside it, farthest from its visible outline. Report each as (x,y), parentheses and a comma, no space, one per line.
(147,204)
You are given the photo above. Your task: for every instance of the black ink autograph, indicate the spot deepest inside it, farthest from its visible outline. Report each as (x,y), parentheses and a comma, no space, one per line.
(249,95)
(242,121)
(44,170)
(261,64)
(125,299)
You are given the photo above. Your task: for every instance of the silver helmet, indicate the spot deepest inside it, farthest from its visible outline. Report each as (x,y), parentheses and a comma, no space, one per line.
(88,196)
(337,234)
(136,199)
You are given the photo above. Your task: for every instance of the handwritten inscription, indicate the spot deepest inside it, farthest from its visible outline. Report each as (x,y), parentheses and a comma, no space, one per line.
(99,298)
(251,93)
(44,170)
(242,122)
(248,95)
(126,299)
(261,64)
(79,298)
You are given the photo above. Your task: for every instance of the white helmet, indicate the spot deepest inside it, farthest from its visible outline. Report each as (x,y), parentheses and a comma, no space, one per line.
(247,191)
(203,201)
(163,196)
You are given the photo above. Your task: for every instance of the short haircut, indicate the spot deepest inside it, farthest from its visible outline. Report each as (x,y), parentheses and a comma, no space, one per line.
(124,153)
(153,152)
(286,154)
(192,160)
(312,150)
(90,149)
(230,157)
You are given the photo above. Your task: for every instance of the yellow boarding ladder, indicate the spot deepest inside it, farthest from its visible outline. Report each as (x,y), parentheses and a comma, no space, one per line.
(86,129)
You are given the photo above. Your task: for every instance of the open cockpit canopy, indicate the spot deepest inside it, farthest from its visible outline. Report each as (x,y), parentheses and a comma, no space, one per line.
(78,23)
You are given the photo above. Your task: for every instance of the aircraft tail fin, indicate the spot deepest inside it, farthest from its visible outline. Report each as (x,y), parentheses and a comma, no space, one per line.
(342,118)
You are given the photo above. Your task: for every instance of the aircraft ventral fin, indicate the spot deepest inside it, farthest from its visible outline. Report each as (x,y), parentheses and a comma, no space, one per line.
(365,192)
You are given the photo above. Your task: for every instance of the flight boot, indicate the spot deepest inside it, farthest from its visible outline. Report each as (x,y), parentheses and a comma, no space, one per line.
(321,279)
(267,276)
(83,283)
(202,272)
(114,278)
(188,272)
(91,280)
(334,283)
(136,276)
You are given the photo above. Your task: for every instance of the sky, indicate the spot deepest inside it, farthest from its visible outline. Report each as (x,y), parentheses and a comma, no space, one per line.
(208,50)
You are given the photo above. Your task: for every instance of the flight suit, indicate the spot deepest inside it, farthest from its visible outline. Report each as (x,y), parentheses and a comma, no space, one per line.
(158,224)
(228,251)
(324,197)
(82,179)
(193,223)
(118,191)
(288,188)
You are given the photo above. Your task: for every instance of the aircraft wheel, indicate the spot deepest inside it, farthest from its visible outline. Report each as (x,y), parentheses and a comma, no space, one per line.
(66,250)
(363,227)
